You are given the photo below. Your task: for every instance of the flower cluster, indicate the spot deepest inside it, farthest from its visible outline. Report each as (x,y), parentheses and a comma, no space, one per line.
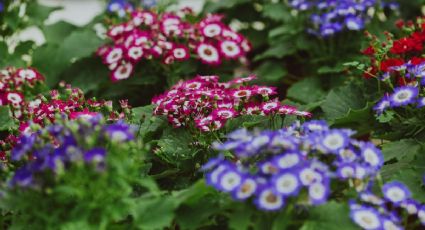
(63,144)
(16,85)
(331,17)
(298,163)
(392,211)
(43,109)
(170,38)
(208,103)
(399,64)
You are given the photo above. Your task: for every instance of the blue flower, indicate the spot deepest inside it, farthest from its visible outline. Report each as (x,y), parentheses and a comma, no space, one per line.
(367,218)
(403,96)
(119,132)
(396,192)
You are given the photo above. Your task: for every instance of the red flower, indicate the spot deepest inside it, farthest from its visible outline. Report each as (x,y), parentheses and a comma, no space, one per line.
(369,51)
(386,64)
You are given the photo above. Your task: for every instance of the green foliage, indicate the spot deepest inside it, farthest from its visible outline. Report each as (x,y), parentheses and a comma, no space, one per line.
(6,120)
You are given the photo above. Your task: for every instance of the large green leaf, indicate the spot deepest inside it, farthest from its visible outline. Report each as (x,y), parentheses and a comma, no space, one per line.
(57,33)
(6,121)
(53,59)
(154,212)
(308,90)
(271,71)
(277,12)
(341,100)
(39,13)
(407,148)
(277,51)
(330,216)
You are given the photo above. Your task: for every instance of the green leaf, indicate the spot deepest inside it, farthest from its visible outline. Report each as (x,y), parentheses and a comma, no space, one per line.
(329,216)
(341,100)
(39,13)
(240,219)
(277,12)
(176,146)
(52,59)
(277,51)
(6,121)
(308,90)
(358,119)
(271,71)
(155,212)
(56,33)
(150,123)
(407,148)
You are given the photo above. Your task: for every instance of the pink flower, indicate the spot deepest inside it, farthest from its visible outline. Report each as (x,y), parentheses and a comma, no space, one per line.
(180,52)
(211,30)
(114,55)
(135,53)
(208,54)
(230,49)
(123,71)
(224,113)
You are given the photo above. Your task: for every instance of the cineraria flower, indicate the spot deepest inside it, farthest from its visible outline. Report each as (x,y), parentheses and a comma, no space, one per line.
(207,103)
(63,144)
(302,162)
(390,212)
(400,66)
(331,17)
(169,37)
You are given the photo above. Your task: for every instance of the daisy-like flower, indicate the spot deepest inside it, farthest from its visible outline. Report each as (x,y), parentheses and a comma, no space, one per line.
(288,160)
(180,53)
(208,54)
(396,192)
(114,55)
(367,218)
(247,188)
(224,113)
(211,30)
(382,105)
(287,183)
(135,53)
(372,155)
(318,192)
(230,49)
(14,98)
(230,180)
(403,95)
(119,132)
(269,201)
(123,71)
(333,141)
(96,155)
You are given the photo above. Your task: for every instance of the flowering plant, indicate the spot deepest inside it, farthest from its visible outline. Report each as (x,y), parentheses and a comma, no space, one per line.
(330,17)
(298,164)
(395,210)
(81,170)
(206,103)
(170,38)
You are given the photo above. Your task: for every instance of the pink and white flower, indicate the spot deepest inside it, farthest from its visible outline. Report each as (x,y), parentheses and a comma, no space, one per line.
(208,54)
(123,71)
(230,49)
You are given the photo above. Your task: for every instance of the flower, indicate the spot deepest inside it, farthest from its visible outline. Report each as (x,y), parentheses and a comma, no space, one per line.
(207,103)
(395,192)
(403,96)
(274,166)
(170,37)
(59,146)
(367,218)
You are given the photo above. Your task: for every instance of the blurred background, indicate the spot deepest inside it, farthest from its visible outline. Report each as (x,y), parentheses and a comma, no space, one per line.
(81,12)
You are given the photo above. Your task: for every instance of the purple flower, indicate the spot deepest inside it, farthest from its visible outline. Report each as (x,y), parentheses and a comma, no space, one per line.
(396,192)
(403,96)
(333,141)
(372,155)
(119,132)
(318,192)
(382,105)
(229,180)
(287,183)
(247,188)
(367,218)
(95,155)
(268,200)
(354,23)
